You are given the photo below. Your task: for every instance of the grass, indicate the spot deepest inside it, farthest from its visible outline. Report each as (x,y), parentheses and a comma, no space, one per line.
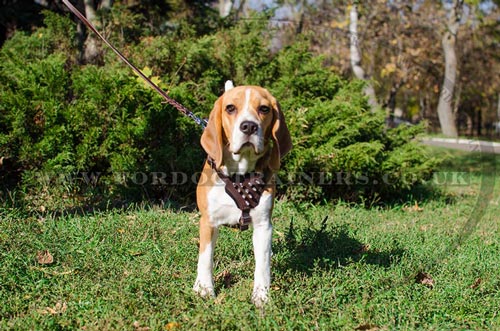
(430,264)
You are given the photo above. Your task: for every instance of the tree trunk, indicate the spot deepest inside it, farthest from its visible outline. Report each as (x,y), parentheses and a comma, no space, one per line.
(445,108)
(498,108)
(91,52)
(106,4)
(225,7)
(497,123)
(355,55)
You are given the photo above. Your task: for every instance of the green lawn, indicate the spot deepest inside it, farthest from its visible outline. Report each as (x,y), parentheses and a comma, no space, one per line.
(431,264)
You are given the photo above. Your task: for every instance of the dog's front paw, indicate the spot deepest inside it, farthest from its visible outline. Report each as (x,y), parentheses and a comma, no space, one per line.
(204,290)
(260,296)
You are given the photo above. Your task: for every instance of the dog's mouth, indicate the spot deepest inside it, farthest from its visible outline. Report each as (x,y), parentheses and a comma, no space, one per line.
(246,146)
(249,148)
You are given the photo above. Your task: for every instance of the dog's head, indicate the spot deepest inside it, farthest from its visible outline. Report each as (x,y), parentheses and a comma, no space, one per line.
(247,119)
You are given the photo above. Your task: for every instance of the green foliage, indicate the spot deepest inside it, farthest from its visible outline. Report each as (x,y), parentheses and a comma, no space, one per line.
(339,143)
(63,123)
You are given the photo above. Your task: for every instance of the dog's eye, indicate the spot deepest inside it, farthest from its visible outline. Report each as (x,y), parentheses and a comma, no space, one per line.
(230,109)
(264,109)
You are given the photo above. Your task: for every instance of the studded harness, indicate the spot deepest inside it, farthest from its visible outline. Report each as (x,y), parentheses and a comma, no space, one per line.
(245,190)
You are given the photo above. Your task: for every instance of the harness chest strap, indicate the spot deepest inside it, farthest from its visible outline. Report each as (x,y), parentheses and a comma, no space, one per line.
(245,190)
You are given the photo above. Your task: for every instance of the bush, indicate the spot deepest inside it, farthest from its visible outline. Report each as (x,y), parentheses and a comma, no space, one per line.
(87,131)
(341,148)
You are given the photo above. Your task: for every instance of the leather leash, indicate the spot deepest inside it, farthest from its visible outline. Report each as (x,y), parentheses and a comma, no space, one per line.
(201,122)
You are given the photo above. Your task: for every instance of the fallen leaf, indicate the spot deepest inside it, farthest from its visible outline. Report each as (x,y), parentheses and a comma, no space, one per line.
(49,310)
(44,257)
(414,208)
(362,249)
(476,283)
(59,308)
(424,279)
(367,327)
(172,326)
(138,326)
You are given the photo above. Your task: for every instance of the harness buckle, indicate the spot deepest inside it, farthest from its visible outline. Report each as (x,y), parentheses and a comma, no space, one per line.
(245,219)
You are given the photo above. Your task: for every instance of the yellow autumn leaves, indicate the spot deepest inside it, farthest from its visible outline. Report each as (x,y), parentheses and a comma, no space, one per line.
(148,72)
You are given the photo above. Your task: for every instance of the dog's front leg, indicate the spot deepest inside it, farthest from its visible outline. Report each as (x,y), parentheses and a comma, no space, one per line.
(204,284)
(262,236)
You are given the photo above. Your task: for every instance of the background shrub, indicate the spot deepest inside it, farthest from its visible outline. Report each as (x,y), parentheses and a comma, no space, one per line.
(84,131)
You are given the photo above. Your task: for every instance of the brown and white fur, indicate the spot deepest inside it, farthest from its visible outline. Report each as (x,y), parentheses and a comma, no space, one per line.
(246,132)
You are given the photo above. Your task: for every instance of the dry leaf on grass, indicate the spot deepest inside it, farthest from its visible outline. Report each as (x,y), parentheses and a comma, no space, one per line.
(172,326)
(137,326)
(424,279)
(476,284)
(59,308)
(367,327)
(414,208)
(44,257)
(362,249)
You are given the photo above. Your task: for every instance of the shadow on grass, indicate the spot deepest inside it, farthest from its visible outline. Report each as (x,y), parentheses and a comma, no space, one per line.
(468,161)
(312,248)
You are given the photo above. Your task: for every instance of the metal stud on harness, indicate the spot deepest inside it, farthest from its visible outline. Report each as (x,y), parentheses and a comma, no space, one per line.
(245,190)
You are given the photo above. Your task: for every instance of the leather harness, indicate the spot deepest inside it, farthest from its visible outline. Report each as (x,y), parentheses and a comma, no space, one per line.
(245,190)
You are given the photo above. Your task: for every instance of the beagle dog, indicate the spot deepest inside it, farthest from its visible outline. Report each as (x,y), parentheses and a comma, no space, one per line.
(246,134)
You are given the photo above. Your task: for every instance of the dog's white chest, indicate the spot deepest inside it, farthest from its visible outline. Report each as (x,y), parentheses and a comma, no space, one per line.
(223,210)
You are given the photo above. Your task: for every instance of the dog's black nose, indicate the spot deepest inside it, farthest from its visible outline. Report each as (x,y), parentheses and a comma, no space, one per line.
(248,127)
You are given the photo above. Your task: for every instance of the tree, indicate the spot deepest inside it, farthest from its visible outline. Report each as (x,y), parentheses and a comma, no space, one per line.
(355,56)
(445,106)
(91,51)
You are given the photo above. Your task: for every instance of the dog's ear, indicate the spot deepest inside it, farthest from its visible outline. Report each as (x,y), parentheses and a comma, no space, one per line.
(228,85)
(211,139)
(282,142)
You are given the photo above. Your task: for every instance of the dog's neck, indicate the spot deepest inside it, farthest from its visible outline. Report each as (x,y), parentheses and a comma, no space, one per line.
(241,163)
